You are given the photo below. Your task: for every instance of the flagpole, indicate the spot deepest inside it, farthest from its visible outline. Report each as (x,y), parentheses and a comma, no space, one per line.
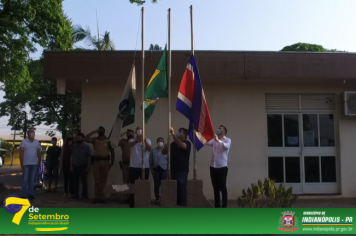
(169,91)
(143,93)
(194,146)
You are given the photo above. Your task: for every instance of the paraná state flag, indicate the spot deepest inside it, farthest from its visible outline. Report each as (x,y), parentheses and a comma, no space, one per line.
(157,86)
(192,104)
(126,110)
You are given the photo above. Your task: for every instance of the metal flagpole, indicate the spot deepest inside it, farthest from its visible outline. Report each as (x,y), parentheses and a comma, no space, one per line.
(194,146)
(143,94)
(169,91)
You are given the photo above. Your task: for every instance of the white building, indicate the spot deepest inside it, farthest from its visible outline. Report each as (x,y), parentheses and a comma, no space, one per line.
(283,111)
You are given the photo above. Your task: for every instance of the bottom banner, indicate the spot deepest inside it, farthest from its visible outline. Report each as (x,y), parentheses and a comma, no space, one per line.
(19,217)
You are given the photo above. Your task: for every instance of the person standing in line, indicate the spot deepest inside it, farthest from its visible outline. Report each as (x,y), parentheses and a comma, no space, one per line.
(136,159)
(218,166)
(80,164)
(125,163)
(158,166)
(52,161)
(103,160)
(30,159)
(65,163)
(180,153)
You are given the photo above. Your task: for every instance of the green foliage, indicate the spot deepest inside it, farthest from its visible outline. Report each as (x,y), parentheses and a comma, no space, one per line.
(307,47)
(61,112)
(266,195)
(23,25)
(97,43)
(49,108)
(141,2)
(155,47)
(7,146)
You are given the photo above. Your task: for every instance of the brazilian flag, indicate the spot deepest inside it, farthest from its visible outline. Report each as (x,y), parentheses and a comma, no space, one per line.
(157,86)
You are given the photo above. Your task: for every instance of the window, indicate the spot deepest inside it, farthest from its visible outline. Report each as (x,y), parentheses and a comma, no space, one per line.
(275,169)
(275,136)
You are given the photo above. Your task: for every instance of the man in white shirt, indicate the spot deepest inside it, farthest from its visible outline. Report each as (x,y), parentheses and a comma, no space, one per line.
(136,158)
(218,166)
(30,159)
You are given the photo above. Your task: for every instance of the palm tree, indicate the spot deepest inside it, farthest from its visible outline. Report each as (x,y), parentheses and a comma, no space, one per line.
(101,44)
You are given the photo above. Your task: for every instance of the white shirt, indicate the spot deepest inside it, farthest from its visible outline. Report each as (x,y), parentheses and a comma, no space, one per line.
(220,153)
(30,151)
(136,155)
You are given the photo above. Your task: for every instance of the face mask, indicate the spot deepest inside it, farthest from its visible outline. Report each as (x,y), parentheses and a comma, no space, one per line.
(178,135)
(54,142)
(160,144)
(218,132)
(130,137)
(32,135)
(139,132)
(101,133)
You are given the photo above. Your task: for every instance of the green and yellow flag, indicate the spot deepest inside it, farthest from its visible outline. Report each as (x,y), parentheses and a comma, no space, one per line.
(157,87)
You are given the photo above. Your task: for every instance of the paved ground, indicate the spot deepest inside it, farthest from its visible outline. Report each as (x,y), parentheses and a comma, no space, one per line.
(10,169)
(56,200)
(11,176)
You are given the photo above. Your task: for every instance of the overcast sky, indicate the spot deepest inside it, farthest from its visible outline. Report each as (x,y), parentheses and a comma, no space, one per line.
(257,25)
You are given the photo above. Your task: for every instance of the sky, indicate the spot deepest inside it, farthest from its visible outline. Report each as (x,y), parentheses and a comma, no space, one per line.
(241,25)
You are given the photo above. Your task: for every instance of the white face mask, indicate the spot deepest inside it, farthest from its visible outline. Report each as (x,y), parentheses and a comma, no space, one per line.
(160,144)
(32,135)
(139,132)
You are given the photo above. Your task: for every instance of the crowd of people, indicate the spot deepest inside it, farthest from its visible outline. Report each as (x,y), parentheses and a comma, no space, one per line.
(74,159)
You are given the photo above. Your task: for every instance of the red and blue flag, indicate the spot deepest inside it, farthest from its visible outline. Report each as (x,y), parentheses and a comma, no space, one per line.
(192,104)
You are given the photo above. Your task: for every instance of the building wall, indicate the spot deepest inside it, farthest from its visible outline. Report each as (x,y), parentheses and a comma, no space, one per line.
(240,106)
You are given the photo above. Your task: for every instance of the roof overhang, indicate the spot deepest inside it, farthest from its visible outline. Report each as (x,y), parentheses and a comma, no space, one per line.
(75,67)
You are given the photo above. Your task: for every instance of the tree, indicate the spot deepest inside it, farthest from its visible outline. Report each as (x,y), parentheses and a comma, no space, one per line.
(23,25)
(46,107)
(7,146)
(307,47)
(51,109)
(155,47)
(141,2)
(97,43)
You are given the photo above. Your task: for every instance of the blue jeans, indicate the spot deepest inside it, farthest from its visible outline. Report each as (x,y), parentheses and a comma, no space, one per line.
(159,175)
(182,179)
(28,181)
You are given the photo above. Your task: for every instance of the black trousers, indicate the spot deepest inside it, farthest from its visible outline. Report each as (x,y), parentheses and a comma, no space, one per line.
(135,174)
(218,179)
(68,179)
(80,174)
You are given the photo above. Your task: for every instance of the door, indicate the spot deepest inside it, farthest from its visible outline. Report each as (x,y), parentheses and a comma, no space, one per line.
(301,148)
(319,153)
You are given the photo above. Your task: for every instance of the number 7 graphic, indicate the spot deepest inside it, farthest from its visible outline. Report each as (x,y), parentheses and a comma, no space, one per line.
(18,201)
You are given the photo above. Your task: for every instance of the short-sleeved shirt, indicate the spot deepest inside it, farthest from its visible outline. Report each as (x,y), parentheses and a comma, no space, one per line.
(180,157)
(80,154)
(158,159)
(53,154)
(136,155)
(30,151)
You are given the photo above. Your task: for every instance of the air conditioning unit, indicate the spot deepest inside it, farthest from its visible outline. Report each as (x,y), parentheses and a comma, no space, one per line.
(349,103)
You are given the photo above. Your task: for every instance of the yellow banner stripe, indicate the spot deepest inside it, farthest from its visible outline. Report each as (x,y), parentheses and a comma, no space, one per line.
(51,229)
(326,224)
(153,76)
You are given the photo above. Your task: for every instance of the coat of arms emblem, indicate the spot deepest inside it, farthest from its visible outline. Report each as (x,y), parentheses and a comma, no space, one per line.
(288,222)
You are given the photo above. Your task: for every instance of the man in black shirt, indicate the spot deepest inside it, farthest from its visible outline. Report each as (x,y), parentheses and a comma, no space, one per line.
(180,152)
(52,161)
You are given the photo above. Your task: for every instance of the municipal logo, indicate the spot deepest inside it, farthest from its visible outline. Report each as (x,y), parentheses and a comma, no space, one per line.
(288,222)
